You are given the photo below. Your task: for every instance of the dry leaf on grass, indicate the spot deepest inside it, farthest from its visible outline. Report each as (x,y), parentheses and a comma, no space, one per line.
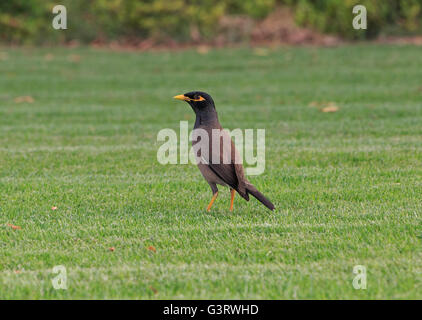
(13,226)
(330,108)
(202,49)
(111,249)
(153,289)
(22,99)
(151,248)
(324,106)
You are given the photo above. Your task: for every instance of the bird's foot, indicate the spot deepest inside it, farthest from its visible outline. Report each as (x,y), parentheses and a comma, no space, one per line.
(233,192)
(212,201)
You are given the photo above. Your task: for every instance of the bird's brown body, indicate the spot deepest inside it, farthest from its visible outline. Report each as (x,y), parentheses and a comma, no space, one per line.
(221,166)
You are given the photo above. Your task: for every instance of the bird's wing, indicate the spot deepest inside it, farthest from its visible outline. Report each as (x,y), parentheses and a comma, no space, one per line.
(240,174)
(225,172)
(229,168)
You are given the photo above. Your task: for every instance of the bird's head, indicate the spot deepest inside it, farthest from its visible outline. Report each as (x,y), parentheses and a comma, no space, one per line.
(199,101)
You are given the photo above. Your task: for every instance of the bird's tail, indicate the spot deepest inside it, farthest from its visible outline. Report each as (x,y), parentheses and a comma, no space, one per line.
(258,195)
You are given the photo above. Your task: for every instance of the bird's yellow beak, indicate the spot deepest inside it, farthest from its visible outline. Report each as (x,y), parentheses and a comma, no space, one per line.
(181,97)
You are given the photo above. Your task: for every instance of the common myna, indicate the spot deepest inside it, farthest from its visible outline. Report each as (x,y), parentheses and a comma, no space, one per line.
(216,169)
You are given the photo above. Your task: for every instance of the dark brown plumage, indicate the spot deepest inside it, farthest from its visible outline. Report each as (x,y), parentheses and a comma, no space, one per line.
(226,171)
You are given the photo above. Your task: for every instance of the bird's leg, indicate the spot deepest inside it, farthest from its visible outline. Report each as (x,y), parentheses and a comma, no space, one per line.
(212,201)
(232,199)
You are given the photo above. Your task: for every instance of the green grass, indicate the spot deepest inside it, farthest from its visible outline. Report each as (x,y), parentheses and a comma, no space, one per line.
(347,185)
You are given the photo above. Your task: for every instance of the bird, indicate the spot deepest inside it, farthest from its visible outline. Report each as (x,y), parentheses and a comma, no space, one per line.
(219,169)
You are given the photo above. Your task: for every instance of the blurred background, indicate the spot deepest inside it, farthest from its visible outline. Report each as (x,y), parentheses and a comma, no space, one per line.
(81,186)
(179,22)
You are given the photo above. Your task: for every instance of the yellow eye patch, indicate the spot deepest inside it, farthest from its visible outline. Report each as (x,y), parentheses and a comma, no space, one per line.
(199,99)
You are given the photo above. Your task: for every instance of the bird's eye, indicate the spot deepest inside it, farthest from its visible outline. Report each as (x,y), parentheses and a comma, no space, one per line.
(198,98)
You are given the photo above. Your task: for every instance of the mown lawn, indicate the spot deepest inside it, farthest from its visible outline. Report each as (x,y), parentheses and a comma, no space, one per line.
(347,185)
